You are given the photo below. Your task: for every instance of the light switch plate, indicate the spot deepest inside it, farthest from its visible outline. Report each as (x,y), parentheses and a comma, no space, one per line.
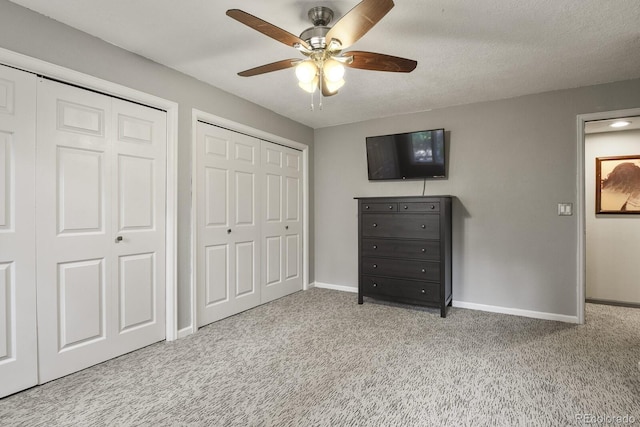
(565,209)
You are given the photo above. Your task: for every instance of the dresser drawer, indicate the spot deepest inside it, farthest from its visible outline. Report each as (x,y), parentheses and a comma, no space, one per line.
(379,207)
(401,289)
(410,269)
(423,249)
(419,207)
(416,226)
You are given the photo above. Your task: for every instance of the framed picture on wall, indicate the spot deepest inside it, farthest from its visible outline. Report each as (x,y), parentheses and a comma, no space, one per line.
(618,185)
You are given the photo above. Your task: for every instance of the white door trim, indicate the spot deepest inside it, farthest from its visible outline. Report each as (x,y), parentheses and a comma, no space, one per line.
(67,75)
(198,115)
(580,204)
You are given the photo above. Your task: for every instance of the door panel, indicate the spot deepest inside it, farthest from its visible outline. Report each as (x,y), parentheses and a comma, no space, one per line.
(227,247)
(245,266)
(293,199)
(80,195)
(273,198)
(18,339)
(101,202)
(7,312)
(245,198)
(215,187)
(281,221)
(293,257)
(273,251)
(216,274)
(136,178)
(138,216)
(137,290)
(81,303)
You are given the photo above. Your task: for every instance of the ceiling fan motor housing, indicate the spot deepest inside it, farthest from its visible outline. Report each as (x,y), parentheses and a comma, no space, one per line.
(320,17)
(315,37)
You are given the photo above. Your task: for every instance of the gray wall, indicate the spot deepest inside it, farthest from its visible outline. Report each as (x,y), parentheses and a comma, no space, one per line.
(29,33)
(510,163)
(612,240)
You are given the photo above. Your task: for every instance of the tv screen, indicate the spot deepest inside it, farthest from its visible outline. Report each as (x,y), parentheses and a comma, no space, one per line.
(410,155)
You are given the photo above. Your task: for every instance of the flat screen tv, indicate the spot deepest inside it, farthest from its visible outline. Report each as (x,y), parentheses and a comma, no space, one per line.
(411,155)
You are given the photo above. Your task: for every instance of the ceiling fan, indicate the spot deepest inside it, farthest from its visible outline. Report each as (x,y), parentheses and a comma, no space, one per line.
(323,46)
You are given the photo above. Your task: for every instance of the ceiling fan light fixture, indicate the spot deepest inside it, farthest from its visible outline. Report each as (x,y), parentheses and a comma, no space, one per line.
(333,86)
(333,71)
(306,71)
(309,86)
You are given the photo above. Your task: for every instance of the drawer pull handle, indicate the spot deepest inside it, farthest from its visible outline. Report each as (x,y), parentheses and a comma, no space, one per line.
(375,225)
(423,270)
(405,207)
(375,285)
(390,206)
(375,246)
(366,207)
(375,265)
(433,206)
(423,250)
(423,291)
(423,226)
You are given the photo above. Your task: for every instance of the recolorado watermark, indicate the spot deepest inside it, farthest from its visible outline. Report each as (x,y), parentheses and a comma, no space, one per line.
(605,419)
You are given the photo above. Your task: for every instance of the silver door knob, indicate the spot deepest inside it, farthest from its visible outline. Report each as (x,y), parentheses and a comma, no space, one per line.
(375,225)
(375,265)
(423,291)
(423,270)
(375,285)
(423,226)
(118,239)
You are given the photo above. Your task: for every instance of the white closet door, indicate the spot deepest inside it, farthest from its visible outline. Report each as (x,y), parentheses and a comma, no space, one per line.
(18,341)
(228,232)
(138,217)
(100,176)
(281,221)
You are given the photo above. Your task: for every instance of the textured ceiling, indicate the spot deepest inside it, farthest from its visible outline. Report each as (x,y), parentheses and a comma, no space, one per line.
(467,50)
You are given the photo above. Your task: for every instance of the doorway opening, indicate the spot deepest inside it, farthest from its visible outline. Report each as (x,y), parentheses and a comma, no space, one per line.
(607,210)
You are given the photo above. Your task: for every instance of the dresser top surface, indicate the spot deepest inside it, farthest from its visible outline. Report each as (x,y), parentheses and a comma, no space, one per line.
(402,197)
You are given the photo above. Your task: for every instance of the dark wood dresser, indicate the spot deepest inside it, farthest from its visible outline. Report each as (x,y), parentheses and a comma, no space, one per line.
(404,250)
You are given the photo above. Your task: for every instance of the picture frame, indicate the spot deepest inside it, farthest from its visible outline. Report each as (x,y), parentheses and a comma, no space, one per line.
(618,185)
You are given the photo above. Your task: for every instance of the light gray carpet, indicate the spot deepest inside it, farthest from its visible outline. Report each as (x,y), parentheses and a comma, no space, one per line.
(316,358)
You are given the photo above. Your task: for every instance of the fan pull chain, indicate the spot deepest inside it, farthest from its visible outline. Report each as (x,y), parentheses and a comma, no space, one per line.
(321,81)
(312,100)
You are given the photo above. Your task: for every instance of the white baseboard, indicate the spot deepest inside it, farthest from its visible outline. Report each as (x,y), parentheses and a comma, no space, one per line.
(185,331)
(474,306)
(516,312)
(336,287)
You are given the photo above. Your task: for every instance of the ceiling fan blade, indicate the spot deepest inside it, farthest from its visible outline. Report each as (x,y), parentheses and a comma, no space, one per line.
(380,62)
(266,28)
(358,21)
(267,68)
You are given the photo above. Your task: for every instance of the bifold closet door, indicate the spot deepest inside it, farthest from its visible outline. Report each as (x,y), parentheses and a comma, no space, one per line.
(228,232)
(100,187)
(18,339)
(281,221)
